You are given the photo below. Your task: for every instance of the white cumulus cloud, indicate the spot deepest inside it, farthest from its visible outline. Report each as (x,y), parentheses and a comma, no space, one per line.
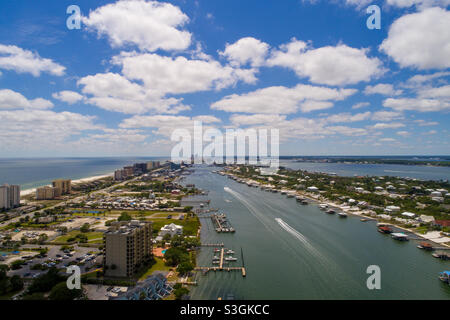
(12,100)
(69,97)
(246,50)
(283,100)
(332,65)
(149,25)
(25,61)
(420,40)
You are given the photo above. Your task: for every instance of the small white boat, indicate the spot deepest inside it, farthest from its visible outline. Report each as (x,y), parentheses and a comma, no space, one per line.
(230,252)
(323,206)
(342,214)
(230,259)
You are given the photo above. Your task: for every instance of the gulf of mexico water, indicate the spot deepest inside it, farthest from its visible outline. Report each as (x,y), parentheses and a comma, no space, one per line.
(300,252)
(32,173)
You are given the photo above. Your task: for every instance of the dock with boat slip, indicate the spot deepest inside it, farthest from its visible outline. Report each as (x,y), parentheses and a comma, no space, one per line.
(212,244)
(221,223)
(221,267)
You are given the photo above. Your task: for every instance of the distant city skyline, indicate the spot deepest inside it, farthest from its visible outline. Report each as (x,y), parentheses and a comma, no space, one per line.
(311,69)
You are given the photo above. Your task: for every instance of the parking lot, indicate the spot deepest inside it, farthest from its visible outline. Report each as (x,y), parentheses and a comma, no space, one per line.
(59,259)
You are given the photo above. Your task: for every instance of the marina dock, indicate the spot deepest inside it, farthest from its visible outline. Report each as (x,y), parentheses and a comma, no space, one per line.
(205,270)
(212,244)
(222,224)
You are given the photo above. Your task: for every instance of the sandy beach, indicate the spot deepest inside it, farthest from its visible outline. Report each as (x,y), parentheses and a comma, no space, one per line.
(83,180)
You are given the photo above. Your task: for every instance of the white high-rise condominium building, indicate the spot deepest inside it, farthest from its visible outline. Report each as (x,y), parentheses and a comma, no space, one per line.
(9,196)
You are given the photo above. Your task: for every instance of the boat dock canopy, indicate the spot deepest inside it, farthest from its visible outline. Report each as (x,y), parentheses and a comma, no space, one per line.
(399,235)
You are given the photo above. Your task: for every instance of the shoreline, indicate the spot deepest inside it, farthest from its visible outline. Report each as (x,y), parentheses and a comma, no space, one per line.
(27,192)
(353,213)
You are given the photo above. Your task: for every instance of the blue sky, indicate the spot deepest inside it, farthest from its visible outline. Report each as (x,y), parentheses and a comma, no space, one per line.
(137,70)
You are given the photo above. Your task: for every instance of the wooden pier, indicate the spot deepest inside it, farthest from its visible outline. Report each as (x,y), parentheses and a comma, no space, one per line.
(221,258)
(221,223)
(212,244)
(207,269)
(222,268)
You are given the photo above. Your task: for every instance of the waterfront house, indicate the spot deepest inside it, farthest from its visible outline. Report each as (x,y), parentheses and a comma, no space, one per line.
(426,219)
(408,214)
(171,229)
(392,209)
(442,223)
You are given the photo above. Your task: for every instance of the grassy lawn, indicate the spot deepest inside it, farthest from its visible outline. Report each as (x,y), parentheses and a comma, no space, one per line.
(190,225)
(158,266)
(162,215)
(74,233)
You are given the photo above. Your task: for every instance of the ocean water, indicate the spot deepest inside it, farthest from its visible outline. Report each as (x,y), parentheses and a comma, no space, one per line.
(300,252)
(32,173)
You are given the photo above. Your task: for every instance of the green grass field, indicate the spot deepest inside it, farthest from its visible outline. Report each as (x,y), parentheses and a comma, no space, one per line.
(190,225)
(72,234)
(158,266)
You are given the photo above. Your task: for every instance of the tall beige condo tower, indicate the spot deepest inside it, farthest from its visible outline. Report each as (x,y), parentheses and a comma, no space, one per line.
(14,194)
(126,247)
(4,197)
(65,186)
(9,196)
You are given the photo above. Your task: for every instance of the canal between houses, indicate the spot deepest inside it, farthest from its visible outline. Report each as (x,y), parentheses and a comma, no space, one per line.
(300,252)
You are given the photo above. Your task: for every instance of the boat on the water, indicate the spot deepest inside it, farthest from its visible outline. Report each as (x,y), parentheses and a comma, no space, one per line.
(384,229)
(425,246)
(230,252)
(230,259)
(364,220)
(342,214)
(323,206)
(331,211)
(445,276)
(304,202)
(441,255)
(399,236)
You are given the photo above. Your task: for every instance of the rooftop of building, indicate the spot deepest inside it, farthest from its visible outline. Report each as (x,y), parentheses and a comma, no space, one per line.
(126,227)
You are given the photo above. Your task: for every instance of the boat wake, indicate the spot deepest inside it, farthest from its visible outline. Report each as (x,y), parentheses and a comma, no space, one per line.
(253,210)
(300,237)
